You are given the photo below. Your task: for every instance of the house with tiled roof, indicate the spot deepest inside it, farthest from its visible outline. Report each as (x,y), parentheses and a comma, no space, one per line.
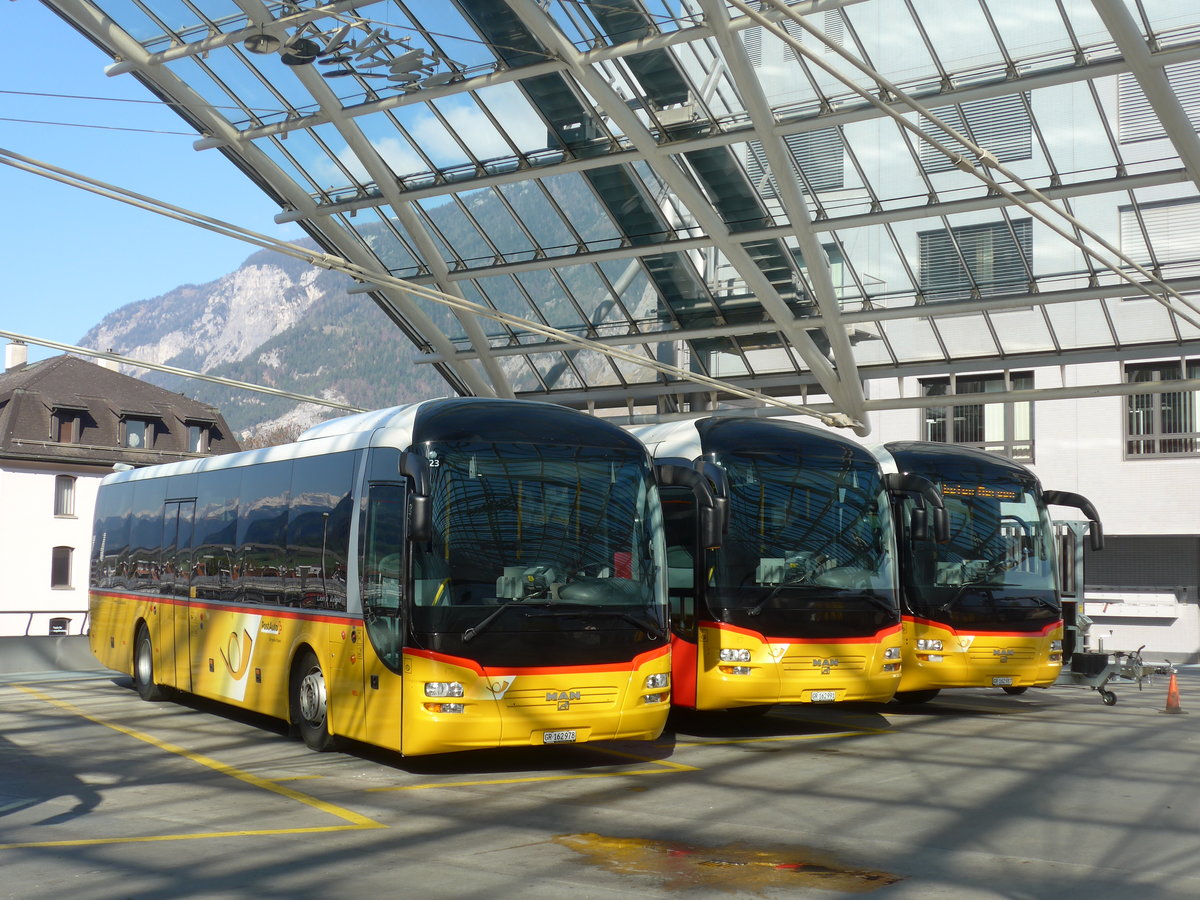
(64,424)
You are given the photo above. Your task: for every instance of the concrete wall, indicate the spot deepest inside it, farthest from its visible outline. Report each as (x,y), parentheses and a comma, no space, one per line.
(69,653)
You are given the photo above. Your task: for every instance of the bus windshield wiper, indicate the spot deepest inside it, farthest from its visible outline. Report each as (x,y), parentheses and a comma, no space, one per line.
(473,632)
(834,594)
(645,624)
(871,597)
(1040,601)
(759,606)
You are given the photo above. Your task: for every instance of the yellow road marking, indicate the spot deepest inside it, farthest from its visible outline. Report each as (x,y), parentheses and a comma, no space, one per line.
(354,820)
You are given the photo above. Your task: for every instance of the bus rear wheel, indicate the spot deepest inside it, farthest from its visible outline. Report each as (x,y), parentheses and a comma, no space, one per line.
(910,697)
(143,666)
(309,703)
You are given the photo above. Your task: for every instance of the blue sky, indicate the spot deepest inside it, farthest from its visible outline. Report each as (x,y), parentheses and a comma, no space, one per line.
(70,257)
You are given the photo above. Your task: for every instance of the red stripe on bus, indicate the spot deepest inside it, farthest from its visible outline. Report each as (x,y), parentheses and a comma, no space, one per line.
(275,612)
(683,671)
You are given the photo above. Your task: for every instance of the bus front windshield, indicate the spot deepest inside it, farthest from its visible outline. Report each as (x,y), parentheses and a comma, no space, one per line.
(997,567)
(807,551)
(561,544)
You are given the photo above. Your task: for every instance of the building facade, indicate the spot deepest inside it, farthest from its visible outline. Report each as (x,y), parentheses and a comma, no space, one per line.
(64,424)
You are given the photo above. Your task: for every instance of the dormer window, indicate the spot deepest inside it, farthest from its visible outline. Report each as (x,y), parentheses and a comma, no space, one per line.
(66,424)
(137,432)
(198,436)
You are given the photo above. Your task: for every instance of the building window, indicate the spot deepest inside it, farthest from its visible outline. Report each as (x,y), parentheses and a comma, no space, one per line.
(137,434)
(197,437)
(1162,423)
(1161,232)
(1004,428)
(60,567)
(64,495)
(1136,119)
(65,426)
(819,154)
(1000,125)
(976,260)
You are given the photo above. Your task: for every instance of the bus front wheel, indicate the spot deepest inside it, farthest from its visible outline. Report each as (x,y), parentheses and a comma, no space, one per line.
(309,703)
(143,667)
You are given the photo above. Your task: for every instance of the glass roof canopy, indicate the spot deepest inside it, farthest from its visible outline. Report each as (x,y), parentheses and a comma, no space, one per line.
(687,204)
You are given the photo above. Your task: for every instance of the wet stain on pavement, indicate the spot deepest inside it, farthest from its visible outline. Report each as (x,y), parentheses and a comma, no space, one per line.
(731,868)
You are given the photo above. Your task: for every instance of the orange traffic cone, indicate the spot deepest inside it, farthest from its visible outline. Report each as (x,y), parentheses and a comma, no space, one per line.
(1173,696)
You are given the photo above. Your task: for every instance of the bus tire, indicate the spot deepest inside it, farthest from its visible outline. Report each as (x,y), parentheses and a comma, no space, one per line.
(309,702)
(1016,689)
(911,697)
(143,667)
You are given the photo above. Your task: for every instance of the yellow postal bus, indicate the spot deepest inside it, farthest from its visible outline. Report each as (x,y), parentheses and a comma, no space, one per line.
(453,574)
(799,602)
(981,608)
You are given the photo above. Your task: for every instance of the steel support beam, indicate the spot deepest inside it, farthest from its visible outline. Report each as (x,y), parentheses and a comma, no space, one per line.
(1153,80)
(846,394)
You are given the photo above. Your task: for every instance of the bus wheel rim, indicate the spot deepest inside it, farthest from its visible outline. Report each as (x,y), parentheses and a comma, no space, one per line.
(312,698)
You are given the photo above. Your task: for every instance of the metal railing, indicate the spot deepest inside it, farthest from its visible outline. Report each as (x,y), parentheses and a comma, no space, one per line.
(57,621)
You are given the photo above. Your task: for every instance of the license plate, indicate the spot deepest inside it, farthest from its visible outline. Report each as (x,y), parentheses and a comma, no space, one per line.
(558,737)
(1001,681)
(823,696)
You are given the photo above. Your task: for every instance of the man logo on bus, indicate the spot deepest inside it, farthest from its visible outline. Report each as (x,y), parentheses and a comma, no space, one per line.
(562,698)
(1005,654)
(825,665)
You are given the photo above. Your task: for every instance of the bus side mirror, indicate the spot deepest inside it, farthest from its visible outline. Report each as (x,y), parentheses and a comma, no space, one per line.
(941,525)
(711,510)
(925,496)
(1081,503)
(919,525)
(420,519)
(420,508)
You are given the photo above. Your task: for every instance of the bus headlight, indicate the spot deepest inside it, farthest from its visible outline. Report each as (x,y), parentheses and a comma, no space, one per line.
(929,644)
(1056,651)
(728,655)
(444,689)
(445,707)
(659,680)
(735,670)
(891,652)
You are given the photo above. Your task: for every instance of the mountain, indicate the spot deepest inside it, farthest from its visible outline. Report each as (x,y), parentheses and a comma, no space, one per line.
(277,322)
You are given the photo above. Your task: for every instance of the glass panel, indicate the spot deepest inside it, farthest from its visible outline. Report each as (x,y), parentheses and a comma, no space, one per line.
(1079,324)
(318,531)
(1021,330)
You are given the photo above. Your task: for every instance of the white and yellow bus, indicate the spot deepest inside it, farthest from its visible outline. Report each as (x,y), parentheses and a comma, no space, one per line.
(982,607)
(449,575)
(799,603)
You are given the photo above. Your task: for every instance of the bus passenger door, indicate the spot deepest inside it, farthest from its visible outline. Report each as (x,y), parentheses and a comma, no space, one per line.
(382,572)
(178,516)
